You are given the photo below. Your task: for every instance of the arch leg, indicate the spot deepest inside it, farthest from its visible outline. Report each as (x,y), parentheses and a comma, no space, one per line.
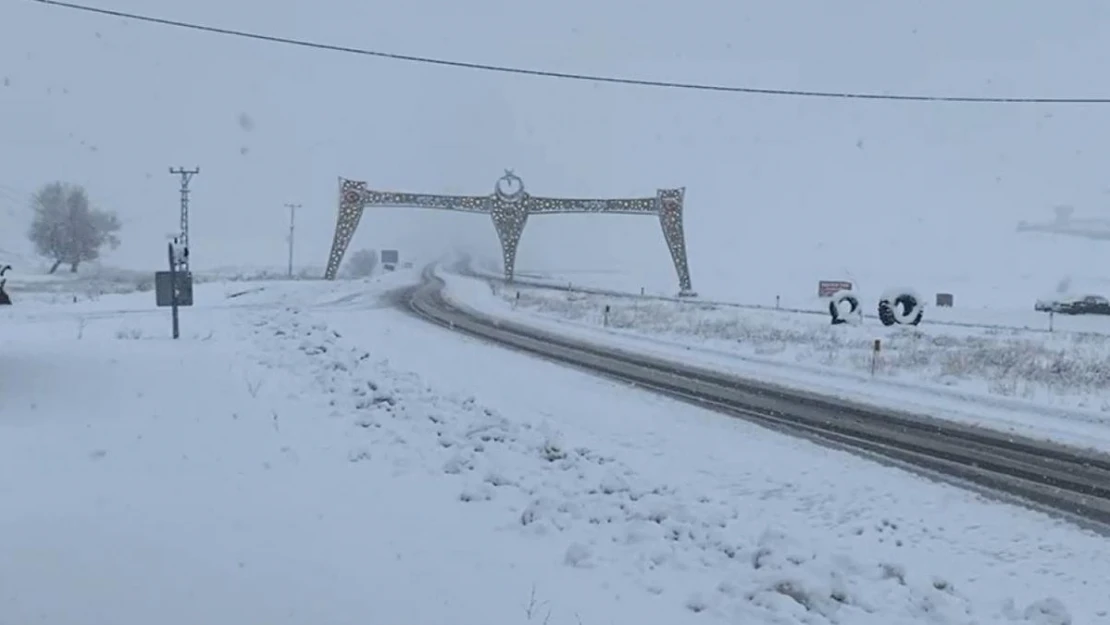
(350,212)
(509,218)
(671,217)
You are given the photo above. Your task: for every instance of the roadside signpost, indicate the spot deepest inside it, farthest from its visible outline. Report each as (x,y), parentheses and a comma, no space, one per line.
(174,288)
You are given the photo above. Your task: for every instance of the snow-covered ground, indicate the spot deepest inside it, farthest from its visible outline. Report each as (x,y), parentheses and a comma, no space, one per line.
(307,453)
(32,284)
(1054,386)
(982,317)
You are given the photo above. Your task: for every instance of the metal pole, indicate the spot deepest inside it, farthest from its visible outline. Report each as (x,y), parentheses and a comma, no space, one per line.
(173,292)
(186,177)
(292,225)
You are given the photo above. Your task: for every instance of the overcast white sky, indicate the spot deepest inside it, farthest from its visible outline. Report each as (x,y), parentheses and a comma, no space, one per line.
(784,188)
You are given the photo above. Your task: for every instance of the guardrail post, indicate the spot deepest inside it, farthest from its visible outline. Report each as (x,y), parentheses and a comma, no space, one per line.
(876,348)
(776,302)
(605,317)
(516,300)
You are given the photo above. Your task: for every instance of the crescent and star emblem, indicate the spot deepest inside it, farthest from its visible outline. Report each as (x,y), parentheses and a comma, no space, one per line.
(515,187)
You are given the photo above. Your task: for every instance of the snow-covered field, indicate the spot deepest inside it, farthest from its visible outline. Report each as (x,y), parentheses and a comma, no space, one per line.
(27,284)
(982,317)
(307,453)
(1046,385)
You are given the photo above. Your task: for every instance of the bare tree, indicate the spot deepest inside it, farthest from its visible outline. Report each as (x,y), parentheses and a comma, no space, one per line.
(66,229)
(362,263)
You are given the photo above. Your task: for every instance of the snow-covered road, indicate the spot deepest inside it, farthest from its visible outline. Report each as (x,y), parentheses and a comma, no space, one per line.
(969,379)
(317,456)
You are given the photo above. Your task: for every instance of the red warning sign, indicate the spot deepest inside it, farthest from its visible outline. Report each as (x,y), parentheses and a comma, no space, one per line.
(827,288)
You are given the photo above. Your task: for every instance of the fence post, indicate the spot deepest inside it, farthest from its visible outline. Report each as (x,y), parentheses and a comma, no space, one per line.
(875,349)
(605,317)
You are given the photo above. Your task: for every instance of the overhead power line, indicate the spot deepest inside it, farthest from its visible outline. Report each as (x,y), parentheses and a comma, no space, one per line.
(598,78)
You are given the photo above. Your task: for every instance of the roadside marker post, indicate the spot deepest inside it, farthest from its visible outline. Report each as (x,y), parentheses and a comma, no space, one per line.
(875,349)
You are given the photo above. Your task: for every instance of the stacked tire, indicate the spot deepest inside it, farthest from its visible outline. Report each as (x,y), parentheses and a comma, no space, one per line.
(837,300)
(5,299)
(901,307)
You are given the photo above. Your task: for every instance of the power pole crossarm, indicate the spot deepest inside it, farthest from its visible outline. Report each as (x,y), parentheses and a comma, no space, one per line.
(183,239)
(292,226)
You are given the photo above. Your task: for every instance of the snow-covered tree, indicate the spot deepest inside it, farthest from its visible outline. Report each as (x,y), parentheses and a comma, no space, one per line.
(66,229)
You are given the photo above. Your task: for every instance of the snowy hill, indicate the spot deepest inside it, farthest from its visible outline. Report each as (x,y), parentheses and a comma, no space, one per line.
(781,192)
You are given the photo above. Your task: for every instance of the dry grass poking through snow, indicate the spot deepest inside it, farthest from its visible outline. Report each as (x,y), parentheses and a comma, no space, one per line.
(1067,367)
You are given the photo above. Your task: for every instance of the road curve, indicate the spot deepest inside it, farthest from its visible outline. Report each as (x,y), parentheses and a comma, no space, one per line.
(1068,481)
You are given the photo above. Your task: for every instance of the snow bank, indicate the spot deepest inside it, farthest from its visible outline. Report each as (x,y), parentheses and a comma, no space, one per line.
(695,549)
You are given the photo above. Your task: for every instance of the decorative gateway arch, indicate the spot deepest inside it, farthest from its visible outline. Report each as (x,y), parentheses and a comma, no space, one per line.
(509,206)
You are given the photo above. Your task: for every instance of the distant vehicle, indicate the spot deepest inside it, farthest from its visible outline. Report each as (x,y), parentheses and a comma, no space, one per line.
(1076,305)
